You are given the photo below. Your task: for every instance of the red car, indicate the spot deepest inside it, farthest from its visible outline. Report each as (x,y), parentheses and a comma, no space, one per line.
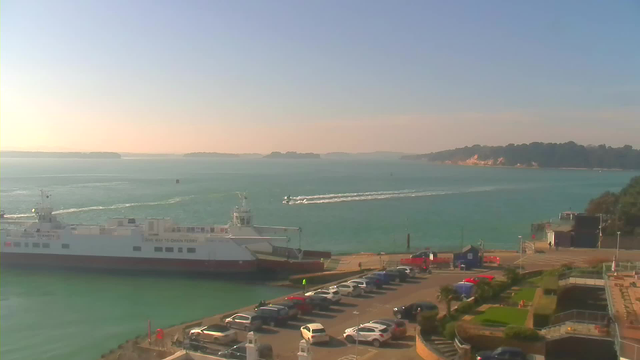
(302,303)
(475,280)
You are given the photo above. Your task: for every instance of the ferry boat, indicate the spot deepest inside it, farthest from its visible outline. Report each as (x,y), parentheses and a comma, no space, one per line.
(150,244)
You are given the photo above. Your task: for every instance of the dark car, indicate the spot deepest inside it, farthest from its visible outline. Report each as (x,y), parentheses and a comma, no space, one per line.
(273,315)
(375,280)
(383,276)
(410,311)
(240,352)
(320,302)
(401,275)
(293,309)
(424,254)
(194,343)
(509,353)
(398,328)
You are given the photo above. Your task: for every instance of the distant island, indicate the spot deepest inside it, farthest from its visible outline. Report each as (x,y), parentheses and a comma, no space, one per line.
(537,154)
(377,155)
(216,155)
(291,155)
(211,155)
(59,155)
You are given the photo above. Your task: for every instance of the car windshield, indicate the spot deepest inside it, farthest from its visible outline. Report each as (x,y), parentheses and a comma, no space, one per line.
(318,331)
(216,327)
(384,331)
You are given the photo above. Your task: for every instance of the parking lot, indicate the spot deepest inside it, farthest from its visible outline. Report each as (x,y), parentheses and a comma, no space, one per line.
(353,311)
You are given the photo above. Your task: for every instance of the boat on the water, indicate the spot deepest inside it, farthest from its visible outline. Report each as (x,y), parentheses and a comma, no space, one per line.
(149,244)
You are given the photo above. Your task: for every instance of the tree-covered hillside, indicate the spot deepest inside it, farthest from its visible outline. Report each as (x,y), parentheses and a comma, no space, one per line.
(621,211)
(537,154)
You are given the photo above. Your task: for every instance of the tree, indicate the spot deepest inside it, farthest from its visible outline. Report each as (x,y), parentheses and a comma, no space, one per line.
(512,275)
(484,290)
(446,295)
(621,211)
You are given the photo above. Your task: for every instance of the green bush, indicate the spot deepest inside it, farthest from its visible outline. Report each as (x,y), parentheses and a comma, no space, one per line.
(465,307)
(449,332)
(499,287)
(428,321)
(521,333)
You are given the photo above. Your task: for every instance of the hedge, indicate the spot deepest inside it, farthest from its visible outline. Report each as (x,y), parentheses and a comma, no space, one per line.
(521,333)
(450,331)
(543,311)
(465,307)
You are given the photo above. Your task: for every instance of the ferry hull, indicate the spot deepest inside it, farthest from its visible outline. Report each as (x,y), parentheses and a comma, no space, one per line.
(126,263)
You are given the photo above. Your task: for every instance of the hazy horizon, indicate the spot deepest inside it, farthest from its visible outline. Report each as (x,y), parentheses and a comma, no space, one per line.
(361,76)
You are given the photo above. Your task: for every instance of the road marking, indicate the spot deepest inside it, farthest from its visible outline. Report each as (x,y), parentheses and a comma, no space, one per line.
(361,357)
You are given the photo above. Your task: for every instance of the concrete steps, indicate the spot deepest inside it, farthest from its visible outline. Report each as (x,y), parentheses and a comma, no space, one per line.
(446,348)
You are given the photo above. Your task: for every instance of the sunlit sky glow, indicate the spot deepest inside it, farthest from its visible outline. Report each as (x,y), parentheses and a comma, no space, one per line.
(258,76)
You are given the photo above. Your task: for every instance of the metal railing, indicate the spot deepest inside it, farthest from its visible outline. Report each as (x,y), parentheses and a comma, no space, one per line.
(581,316)
(624,348)
(575,328)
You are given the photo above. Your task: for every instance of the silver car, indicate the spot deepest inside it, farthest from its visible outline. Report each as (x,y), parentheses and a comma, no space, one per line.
(247,321)
(364,284)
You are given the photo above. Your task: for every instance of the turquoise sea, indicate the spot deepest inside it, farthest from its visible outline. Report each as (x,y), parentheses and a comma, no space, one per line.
(342,205)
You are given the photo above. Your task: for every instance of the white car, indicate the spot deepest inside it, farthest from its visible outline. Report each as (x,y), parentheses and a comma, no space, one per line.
(314,333)
(376,334)
(410,270)
(216,333)
(364,284)
(347,289)
(331,295)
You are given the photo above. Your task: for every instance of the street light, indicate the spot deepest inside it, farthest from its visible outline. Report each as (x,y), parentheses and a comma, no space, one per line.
(520,237)
(357,314)
(618,246)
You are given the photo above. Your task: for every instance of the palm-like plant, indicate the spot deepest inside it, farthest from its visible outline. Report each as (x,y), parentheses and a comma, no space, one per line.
(446,295)
(484,290)
(511,275)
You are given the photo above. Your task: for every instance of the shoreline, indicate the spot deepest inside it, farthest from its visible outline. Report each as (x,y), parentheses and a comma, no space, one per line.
(521,167)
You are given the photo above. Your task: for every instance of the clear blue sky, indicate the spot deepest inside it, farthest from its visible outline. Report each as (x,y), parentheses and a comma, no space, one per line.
(414,76)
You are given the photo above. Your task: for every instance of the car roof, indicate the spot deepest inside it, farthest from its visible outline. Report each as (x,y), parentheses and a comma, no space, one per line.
(248,313)
(426,304)
(375,326)
(315,326)
(392,321)
(275,307)
(296,297)
(507,348)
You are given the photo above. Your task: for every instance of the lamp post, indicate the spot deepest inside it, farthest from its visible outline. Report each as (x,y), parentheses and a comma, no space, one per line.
(520,237)
(357,314)
(618,246)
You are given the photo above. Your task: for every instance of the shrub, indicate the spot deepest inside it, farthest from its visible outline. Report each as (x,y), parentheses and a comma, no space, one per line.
(465,307)
(512,275)
(427,321)
(543,310)
(521,333)
(449,332)
(499,287)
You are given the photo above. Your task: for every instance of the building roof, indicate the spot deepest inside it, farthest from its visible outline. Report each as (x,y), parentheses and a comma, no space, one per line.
(469,247)
(561,227)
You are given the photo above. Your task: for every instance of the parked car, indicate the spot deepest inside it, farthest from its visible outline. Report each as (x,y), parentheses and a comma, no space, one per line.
(400,275)
(314,333)
(502,353)
(365,285)
(293,309)
(386,278)
(247,321)
(216,333)
(302,303)
(424,254)
(265,351)
(320,302)
(333,295)
(398,328)
(376,334)
(375,280)
(477,279)
(410,311)
(348,289)
(273,315)
(410,270)
(194,343)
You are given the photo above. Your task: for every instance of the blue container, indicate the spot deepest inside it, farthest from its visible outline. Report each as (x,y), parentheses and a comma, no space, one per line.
(465,290)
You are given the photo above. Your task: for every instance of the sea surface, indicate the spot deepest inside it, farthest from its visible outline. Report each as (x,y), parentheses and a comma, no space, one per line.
(342,206)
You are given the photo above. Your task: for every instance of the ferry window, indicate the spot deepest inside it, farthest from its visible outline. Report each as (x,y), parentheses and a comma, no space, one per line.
(131,221)
(45,245)
(137,248)
(157,249)
(16,244)
(168,249)
(179,249)
(35,245)
(191,250)
(65,246)
(26,244)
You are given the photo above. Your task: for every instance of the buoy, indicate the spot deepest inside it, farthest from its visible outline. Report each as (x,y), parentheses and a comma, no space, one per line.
(177,181)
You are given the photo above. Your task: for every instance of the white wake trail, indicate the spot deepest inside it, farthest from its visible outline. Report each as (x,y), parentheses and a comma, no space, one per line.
(329,196)
(116,206)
